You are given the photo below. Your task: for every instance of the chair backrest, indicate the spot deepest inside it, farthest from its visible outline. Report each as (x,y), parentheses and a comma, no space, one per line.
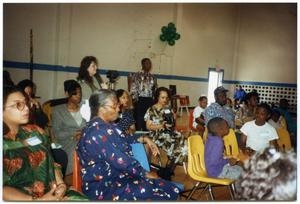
(284,141)
(47,109)
(184,100)
(196,164)
(205,135)
(77,180)
(231,144)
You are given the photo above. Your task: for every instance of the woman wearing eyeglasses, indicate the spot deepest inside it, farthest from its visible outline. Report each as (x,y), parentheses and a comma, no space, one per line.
(29,171)
(109,172)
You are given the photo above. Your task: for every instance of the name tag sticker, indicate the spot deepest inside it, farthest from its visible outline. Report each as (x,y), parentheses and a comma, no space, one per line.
(33,141)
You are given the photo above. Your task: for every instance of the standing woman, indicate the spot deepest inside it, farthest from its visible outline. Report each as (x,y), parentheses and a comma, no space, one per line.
(109,170)
(88,78)
(29,171)
(160,120)
(67,121)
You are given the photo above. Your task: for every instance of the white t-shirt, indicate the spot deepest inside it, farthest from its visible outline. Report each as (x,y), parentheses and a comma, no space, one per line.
(258,137)
(196,114)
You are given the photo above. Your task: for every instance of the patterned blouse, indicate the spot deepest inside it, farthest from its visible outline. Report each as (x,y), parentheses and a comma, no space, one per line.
(125,120)
(109,172)
(216,110)
(171,141)
(28,165)
(143,85)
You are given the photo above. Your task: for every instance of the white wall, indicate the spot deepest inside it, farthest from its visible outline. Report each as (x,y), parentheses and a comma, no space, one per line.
(238,37)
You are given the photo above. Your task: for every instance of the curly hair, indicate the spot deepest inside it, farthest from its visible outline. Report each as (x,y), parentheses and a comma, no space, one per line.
(270,175)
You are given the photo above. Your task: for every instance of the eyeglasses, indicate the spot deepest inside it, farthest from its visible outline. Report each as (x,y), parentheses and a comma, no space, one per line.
(113,107)
(20,105)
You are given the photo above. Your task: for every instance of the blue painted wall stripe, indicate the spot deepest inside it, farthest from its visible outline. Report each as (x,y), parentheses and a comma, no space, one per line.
(48,67)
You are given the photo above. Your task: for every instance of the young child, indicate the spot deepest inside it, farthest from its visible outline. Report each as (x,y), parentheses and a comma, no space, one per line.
(258,134)
(216,165)
(198,122)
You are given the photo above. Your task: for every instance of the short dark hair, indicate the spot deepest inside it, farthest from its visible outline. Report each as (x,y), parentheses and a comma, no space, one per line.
(266,107)
(157,93)
(70,86)
(144,60)
(252,94)
(83,73)
(214,123)
(201,98)
(25,83)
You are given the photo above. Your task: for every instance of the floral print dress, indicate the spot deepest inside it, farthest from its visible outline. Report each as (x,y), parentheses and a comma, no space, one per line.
(109,172)
(28,165)
(172,142)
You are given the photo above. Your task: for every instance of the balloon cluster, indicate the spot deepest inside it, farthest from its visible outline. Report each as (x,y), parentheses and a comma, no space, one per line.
(169,34)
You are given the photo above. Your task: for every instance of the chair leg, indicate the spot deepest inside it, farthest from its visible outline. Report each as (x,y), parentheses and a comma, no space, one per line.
(184,167)
(193,190)
(180,111)
(187,110)
(211,194)
(232,191)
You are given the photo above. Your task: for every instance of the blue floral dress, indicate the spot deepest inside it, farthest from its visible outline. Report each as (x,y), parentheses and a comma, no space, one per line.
(109,172)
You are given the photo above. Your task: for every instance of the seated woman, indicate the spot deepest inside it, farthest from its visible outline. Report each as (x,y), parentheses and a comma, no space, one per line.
(126,120)
(247,111)
(109,170)
(37,116)
(67,121)
(160,120)
(29,171)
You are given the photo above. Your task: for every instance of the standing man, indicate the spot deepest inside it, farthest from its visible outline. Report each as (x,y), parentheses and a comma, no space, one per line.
(218,109)
(142,91)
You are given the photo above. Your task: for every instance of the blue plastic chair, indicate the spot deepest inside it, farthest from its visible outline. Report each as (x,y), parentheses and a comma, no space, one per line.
(139,153)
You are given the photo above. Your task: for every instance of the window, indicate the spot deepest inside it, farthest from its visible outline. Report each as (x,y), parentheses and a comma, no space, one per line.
(215,79)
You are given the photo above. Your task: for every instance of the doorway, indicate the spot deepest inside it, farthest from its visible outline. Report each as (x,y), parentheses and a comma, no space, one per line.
(215,78)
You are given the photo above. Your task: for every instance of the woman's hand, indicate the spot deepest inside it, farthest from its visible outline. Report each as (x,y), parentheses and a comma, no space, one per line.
(49,196)
(152,175)
(152,145)
(77,135)
(60,190)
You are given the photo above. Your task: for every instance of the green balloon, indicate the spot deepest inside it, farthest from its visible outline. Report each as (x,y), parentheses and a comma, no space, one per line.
(177,36)
(162,37)
(169,36)
(172,36)
(171,42)
(164,29)
(171,25)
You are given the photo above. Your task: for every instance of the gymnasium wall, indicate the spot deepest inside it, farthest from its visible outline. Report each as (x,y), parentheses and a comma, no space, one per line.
(253,43)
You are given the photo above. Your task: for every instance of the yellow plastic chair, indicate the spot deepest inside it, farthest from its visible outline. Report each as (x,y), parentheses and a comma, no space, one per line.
(205,135)
(284,141)
(231,144)
(197,171)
